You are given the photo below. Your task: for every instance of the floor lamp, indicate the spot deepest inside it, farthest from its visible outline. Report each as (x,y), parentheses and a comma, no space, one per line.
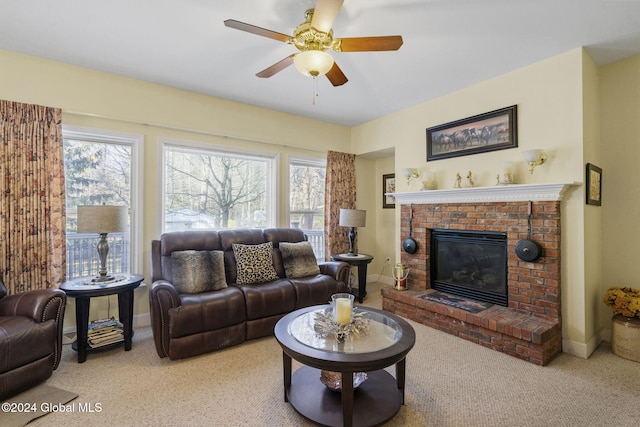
(352,218)
(102,219)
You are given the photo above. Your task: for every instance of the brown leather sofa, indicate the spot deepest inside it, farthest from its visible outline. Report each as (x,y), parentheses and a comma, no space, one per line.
(30,338)
(189,324)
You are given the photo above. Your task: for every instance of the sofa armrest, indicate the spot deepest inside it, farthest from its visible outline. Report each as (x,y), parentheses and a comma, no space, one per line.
(163,296)
(40,305)
(337,269)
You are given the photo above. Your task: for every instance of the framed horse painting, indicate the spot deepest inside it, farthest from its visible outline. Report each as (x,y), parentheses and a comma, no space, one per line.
(496,130)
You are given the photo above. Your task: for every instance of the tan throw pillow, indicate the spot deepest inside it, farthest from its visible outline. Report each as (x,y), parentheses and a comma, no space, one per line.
(198,271)
(299,259)
(254,263)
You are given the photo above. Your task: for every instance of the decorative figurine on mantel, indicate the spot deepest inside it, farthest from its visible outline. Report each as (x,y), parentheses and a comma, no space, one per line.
(458,182)
(506,174)
(469,183)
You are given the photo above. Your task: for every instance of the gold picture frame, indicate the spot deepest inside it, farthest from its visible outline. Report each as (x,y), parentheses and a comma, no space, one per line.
(388,186)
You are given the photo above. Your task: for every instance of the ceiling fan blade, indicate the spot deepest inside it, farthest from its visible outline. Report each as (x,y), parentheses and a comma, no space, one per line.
(336,76)
(367,44)
(277,67)
(242,26)
(325,13)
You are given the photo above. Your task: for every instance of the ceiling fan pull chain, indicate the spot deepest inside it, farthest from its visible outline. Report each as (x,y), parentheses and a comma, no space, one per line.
(315,89)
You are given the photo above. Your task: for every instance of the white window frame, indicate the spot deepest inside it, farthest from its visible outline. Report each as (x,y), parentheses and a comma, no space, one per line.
(136,142)
(302,161)
(273,166)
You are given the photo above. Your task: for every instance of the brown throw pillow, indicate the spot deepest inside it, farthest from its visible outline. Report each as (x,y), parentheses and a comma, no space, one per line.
(198,271)
(254,263)
(299,259)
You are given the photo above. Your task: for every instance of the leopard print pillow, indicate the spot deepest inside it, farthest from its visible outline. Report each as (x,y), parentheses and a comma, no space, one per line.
(254,263)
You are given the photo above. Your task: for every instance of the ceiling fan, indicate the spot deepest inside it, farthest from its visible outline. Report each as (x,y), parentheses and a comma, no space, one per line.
(313,38)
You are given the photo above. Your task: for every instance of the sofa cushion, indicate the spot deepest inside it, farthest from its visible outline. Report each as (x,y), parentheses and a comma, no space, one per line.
(269,299)
(254,263)
(206,312)
(299,259)
(198,271)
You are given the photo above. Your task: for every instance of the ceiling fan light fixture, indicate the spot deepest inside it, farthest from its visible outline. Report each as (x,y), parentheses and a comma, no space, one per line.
(313,62)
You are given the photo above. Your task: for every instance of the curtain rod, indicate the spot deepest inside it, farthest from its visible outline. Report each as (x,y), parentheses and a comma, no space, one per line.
(196,131)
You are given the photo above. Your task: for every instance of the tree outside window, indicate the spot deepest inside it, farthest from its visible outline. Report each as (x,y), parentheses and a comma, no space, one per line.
(96,172)
(306,200)
(215,190)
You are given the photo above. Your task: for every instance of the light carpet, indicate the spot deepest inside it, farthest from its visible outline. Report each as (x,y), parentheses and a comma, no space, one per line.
(450,382)
(36,402)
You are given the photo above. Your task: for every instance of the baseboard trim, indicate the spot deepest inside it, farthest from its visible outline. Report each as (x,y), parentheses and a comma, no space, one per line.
(583,350)
(376,278)
(141,320)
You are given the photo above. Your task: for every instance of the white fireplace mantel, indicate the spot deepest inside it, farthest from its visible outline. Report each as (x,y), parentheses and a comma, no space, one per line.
(498,193)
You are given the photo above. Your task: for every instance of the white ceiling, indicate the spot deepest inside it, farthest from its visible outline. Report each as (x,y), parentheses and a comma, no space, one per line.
(448,45)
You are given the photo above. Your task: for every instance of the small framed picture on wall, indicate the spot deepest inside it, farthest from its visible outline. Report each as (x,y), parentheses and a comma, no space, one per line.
(594,185)
(388,186)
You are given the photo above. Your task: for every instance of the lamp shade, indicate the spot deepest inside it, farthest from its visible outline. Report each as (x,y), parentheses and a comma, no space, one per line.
(313,62)
(102,219)
(353,217)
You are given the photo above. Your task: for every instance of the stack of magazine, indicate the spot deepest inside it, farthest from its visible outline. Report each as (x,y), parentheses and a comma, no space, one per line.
(104,332)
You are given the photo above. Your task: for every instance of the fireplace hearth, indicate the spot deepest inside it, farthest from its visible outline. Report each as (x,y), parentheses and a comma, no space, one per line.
(470,264)
(529,326)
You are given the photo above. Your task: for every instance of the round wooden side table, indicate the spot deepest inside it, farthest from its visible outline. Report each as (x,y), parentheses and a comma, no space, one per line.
(83,290)
(360,261)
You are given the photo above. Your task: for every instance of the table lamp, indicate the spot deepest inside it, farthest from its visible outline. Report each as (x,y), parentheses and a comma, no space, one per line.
(102,219)
(352,218)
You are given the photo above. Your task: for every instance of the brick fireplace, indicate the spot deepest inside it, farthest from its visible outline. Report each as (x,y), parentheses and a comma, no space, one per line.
(530,326)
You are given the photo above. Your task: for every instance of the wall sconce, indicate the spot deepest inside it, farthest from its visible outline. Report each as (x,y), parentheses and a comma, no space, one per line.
(411,173)
(534,158)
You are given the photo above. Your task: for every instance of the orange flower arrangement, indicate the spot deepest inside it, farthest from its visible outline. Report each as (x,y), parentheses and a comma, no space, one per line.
(624,301)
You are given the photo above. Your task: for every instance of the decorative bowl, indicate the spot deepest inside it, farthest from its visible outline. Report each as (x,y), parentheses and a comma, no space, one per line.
(333,380)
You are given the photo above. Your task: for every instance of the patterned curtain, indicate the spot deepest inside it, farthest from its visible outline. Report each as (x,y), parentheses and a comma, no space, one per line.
(32,208)
(340,192)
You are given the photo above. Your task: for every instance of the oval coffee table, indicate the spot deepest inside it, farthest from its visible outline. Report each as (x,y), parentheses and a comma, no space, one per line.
(377,399)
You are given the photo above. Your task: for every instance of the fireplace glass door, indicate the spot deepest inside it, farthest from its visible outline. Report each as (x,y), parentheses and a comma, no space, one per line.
(470,264)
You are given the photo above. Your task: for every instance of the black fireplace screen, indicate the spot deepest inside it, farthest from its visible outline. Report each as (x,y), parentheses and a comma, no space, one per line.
(470,264)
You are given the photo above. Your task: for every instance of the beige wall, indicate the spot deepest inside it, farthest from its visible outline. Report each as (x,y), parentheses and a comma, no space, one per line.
(592,232)
(549,96)
(620,134)
(104,101)
(387,235)
(379,237)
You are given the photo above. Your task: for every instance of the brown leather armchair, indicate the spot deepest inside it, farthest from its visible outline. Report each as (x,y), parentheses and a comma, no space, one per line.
(30,338)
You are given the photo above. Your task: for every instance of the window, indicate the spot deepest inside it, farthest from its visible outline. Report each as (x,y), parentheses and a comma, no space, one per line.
(99,169)
(207,187)
(306,199)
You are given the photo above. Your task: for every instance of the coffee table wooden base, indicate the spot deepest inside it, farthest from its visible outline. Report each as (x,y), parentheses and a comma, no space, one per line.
(377,399)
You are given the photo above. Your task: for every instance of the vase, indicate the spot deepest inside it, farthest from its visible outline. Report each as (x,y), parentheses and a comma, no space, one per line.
(625,337)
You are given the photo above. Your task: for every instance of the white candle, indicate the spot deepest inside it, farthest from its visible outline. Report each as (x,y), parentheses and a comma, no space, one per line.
(343,311)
